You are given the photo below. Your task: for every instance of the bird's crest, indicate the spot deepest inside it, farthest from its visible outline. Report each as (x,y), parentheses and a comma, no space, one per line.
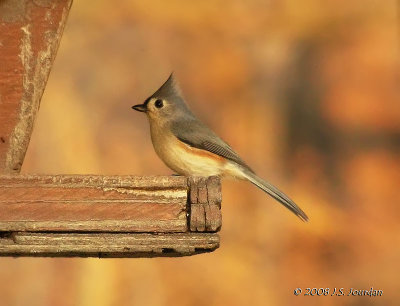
(169,90)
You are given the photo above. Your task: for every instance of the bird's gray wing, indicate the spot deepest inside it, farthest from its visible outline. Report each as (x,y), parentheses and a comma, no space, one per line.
(196,134)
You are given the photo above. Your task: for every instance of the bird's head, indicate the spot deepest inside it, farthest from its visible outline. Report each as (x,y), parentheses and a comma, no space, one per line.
(166,103)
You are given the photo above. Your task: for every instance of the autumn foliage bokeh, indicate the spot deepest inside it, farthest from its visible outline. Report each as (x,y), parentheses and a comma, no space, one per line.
(307,92)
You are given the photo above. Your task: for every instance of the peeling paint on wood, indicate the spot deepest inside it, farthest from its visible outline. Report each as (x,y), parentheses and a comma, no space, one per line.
(86,215)
(109,203)
(93,203)
(107,244)
(30,32)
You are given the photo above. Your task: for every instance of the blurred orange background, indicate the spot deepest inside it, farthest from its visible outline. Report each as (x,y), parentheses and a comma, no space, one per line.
(307,92)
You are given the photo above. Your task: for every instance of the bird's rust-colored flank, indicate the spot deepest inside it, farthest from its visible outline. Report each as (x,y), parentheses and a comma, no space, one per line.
(201,153)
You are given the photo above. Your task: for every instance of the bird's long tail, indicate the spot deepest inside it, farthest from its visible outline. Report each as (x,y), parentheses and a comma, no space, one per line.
(276,194)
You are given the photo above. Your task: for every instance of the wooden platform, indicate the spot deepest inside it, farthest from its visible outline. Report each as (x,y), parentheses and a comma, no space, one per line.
(82,215)
(120,216)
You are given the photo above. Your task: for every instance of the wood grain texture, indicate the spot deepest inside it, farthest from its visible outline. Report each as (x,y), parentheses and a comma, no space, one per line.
(205,208)
(107,244)
(108,216)
(93,203)
(109,203)
(30,32)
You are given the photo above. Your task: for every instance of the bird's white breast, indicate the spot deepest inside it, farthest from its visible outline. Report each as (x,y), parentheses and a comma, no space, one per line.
(183,158)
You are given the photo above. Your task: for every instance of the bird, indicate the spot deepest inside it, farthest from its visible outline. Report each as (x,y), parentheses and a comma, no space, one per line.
(190,148)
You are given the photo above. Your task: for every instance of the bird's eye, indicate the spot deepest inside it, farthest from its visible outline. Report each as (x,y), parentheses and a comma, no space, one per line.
(159,103)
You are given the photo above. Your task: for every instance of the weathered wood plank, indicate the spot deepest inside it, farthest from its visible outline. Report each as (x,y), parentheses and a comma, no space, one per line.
(106,244)
(93,203)
(205,209)
(108,216)
(30,32)
(79,180)
(109,203)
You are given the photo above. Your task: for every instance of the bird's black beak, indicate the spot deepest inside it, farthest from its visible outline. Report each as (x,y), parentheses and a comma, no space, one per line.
(140,108)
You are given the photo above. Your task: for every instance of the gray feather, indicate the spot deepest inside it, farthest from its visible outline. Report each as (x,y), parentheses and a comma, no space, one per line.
(171,91)
(196,134)
(277,195)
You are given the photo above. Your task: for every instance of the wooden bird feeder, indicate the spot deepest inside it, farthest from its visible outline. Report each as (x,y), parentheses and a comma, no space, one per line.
(82,215)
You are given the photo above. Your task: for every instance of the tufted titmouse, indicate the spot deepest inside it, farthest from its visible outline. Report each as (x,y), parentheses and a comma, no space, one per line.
(189,147)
